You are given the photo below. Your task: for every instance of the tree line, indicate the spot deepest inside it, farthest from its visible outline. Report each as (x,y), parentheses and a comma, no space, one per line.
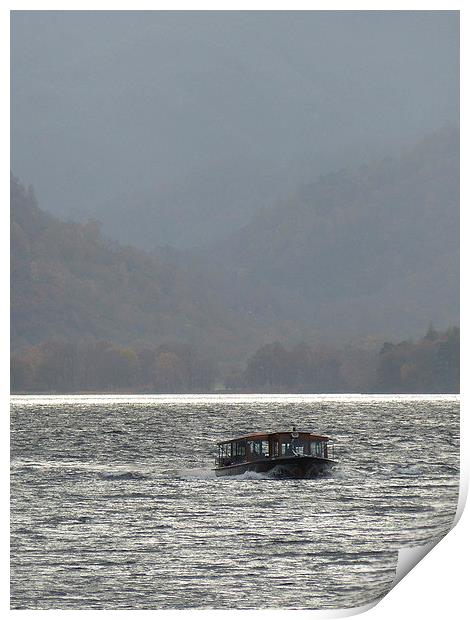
(104,366)
(429,365)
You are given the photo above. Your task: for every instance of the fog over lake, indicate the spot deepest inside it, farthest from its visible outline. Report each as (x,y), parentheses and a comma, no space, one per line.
(174,127)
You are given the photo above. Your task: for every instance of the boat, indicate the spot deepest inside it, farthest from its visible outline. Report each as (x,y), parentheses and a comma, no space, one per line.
(282,454)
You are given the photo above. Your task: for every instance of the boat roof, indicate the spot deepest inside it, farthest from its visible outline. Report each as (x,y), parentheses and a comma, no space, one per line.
(261,434)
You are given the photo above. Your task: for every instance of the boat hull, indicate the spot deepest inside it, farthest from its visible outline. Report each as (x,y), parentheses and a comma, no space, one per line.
(284,467)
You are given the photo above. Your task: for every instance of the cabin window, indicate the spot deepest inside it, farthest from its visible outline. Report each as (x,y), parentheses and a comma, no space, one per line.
(287,448)
(240,448)
(297,445)
(227,450)
(259,447)
(317,448)
(293,447)
(225,454)
(275,448)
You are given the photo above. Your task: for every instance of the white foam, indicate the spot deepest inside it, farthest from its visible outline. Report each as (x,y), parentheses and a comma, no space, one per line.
(197,473)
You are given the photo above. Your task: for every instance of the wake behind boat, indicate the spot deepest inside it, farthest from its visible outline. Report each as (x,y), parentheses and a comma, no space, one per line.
(284,454)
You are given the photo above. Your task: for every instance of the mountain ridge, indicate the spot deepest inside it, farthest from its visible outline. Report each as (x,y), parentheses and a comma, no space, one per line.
(364,233)
(371,252)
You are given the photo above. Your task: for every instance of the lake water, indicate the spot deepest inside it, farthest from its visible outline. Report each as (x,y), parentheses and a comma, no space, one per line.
(114,504)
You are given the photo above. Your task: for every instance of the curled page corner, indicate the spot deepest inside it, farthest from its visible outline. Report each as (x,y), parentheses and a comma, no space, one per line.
(409,557)
(463,494)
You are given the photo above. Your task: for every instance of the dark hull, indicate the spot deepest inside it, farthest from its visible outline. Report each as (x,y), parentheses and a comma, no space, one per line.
(284,467)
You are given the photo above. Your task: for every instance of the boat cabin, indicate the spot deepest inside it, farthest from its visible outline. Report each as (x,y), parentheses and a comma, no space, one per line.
(260,446)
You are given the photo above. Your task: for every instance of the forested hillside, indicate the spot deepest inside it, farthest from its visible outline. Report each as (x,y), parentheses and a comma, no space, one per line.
(68,282)
(356,258)
(371,250)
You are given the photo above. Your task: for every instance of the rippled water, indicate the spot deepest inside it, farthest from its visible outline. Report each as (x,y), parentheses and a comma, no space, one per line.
(114,504)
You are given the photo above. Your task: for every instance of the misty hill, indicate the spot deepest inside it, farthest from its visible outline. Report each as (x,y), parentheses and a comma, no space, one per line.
(173,127)
(373,250)
(69,283)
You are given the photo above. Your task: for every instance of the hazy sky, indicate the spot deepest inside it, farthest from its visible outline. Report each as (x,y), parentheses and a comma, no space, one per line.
(202,113)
